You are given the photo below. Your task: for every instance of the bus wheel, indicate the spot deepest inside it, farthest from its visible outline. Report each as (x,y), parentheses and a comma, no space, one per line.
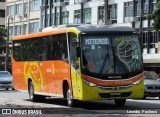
(32,96)
(120,102)
(70,101)
(31,92)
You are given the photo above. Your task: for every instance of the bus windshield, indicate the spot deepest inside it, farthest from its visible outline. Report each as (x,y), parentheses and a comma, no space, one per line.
(117,54)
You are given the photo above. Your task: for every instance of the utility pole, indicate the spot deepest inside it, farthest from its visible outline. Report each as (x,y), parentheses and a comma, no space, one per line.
(106,11)
(7,47)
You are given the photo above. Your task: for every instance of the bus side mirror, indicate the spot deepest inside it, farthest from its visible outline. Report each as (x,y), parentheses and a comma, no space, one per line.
(78,51)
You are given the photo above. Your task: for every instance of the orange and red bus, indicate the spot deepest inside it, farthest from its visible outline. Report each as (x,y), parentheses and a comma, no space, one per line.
(82,62)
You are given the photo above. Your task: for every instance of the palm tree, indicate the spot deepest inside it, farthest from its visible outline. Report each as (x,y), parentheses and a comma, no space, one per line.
(156,17)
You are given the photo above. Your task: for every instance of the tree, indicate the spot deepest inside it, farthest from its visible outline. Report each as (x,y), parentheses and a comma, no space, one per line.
(3,35)
(155,16)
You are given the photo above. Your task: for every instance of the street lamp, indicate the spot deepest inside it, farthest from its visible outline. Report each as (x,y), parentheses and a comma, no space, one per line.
(7,46)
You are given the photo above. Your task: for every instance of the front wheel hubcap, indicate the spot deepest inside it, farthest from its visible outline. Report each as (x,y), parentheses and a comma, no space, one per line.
(31,92)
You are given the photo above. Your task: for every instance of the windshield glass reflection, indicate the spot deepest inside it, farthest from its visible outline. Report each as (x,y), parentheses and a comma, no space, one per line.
(104,54)
(97,54)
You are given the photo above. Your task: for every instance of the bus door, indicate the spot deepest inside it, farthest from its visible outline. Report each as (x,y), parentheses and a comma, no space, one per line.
(74,63)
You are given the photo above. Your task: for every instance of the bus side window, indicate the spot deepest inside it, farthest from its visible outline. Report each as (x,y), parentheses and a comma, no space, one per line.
(63,47)
(55,48)
(42,48)
(17,50)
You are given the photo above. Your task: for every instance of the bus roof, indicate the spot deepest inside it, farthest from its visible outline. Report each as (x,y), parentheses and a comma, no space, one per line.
(39,34)
(104,28)
(82,28)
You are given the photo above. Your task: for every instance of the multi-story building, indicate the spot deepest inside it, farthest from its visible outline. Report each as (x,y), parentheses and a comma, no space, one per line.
(2,12)
(56,12)
(29,16)
(135,13)
(2,23)
(23,16)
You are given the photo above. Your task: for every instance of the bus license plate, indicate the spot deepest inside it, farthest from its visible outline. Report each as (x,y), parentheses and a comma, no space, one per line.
(115,93)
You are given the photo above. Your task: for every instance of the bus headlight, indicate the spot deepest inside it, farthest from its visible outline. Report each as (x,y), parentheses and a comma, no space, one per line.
(90,83)
(137,82)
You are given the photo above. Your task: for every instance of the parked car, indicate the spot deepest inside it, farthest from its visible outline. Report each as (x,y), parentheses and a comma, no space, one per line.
(151,84)
(6,80)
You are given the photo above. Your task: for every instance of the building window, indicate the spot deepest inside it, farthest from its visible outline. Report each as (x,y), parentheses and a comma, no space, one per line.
(128,9)
(137,7)
(87,15)
(2,13)
(43,2)
(57,18)
(19,8)
(35,5)
(66,2)
(48,2)
(10,10)
(153,39)
(77,16)
(52,19)
(34,27)
(43,21)
(24,28)
(26,7)
(145,39)
(53,1)
(65,17)
(145,7)
(101,15)
(18,30)
(47,20)
(113,11)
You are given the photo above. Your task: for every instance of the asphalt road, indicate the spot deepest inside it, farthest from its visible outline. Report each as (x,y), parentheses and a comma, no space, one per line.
(20,100)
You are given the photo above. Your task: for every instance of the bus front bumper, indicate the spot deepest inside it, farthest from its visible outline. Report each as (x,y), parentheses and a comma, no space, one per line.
(100,93)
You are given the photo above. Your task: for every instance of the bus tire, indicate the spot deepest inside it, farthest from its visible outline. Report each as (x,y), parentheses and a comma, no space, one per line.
(70,100)
(120,102)
(32,96)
